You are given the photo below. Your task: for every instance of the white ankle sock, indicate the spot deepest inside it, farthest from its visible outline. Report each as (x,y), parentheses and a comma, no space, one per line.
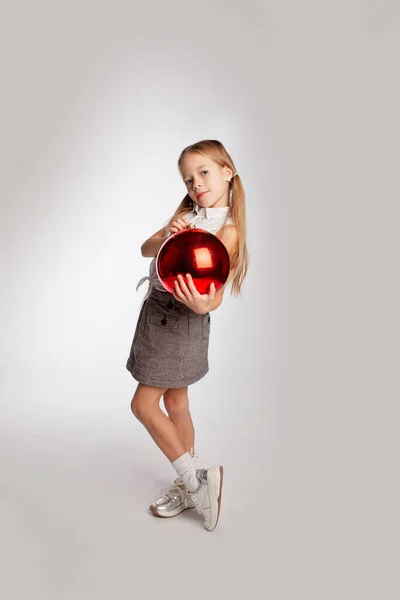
(185,466)
(194,457)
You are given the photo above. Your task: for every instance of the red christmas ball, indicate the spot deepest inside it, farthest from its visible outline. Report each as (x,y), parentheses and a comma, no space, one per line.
(197,252)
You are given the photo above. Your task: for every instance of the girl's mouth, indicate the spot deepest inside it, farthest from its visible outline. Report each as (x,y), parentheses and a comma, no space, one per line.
(202,194)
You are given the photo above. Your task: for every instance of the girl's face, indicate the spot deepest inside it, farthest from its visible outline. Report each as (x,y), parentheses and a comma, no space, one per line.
(205,180)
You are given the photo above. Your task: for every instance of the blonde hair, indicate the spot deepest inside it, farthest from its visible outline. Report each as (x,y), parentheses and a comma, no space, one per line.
(239,259)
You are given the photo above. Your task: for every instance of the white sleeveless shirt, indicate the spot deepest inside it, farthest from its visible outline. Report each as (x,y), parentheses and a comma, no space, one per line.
(210,219)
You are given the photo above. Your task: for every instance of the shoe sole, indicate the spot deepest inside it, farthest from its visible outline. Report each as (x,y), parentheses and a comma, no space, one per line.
(221,478)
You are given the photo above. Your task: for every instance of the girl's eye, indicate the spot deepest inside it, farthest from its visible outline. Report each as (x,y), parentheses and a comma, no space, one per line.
(188,181)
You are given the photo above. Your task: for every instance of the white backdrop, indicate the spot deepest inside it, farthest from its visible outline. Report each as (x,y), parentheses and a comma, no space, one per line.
(97,104)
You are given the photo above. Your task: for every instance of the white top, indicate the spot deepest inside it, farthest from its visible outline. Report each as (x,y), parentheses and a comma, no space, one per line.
(210,219)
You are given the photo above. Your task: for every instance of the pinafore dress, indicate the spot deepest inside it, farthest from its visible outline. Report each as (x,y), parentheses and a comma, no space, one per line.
(170,343)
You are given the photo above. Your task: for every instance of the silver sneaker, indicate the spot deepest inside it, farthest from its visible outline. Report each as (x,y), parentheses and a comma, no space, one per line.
(173,501)
(207,497)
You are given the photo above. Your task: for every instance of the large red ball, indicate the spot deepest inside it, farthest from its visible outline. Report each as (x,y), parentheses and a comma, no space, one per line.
(197,252)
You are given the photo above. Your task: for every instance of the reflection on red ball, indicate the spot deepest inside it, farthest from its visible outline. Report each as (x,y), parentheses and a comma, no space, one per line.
(197,252)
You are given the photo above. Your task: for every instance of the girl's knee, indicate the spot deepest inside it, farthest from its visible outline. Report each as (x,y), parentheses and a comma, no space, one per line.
(176,400)
(144,400)
(140,407)
(136,407)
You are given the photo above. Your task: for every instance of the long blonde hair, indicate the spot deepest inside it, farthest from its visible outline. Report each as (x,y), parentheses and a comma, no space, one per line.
(239,258)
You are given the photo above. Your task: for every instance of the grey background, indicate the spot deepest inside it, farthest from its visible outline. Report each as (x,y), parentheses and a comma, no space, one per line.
(98,100)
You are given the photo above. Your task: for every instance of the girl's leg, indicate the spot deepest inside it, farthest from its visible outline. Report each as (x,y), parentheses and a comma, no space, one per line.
(176,402)
(146,408)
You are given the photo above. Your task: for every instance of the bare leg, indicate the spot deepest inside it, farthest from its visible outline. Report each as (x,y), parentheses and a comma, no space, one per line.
(176,402)
(146,408)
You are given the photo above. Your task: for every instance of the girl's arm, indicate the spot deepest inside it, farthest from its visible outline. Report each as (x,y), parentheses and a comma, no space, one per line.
(151,246)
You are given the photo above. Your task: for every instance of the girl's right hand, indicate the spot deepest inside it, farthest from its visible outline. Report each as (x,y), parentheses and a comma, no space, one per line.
(179,225)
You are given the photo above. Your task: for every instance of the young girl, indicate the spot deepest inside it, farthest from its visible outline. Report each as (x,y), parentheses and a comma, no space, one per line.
(169,351)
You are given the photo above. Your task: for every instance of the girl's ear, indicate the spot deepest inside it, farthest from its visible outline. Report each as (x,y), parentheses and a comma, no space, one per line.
(227,172)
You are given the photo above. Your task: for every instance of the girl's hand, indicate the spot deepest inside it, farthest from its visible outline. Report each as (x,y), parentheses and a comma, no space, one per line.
(189,295)
(179,224)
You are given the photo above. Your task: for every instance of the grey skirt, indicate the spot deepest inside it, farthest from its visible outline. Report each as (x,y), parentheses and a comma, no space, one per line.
(170,344)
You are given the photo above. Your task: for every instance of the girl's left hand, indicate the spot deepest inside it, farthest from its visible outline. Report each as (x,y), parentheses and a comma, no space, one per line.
(189,295)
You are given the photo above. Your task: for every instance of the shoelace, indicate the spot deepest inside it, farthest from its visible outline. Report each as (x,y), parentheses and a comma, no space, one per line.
(196,503)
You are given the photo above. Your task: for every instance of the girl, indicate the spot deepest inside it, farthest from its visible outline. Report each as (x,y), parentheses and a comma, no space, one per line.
(169,351)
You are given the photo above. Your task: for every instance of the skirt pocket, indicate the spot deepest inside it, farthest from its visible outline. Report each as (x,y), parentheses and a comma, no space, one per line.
(163,320)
